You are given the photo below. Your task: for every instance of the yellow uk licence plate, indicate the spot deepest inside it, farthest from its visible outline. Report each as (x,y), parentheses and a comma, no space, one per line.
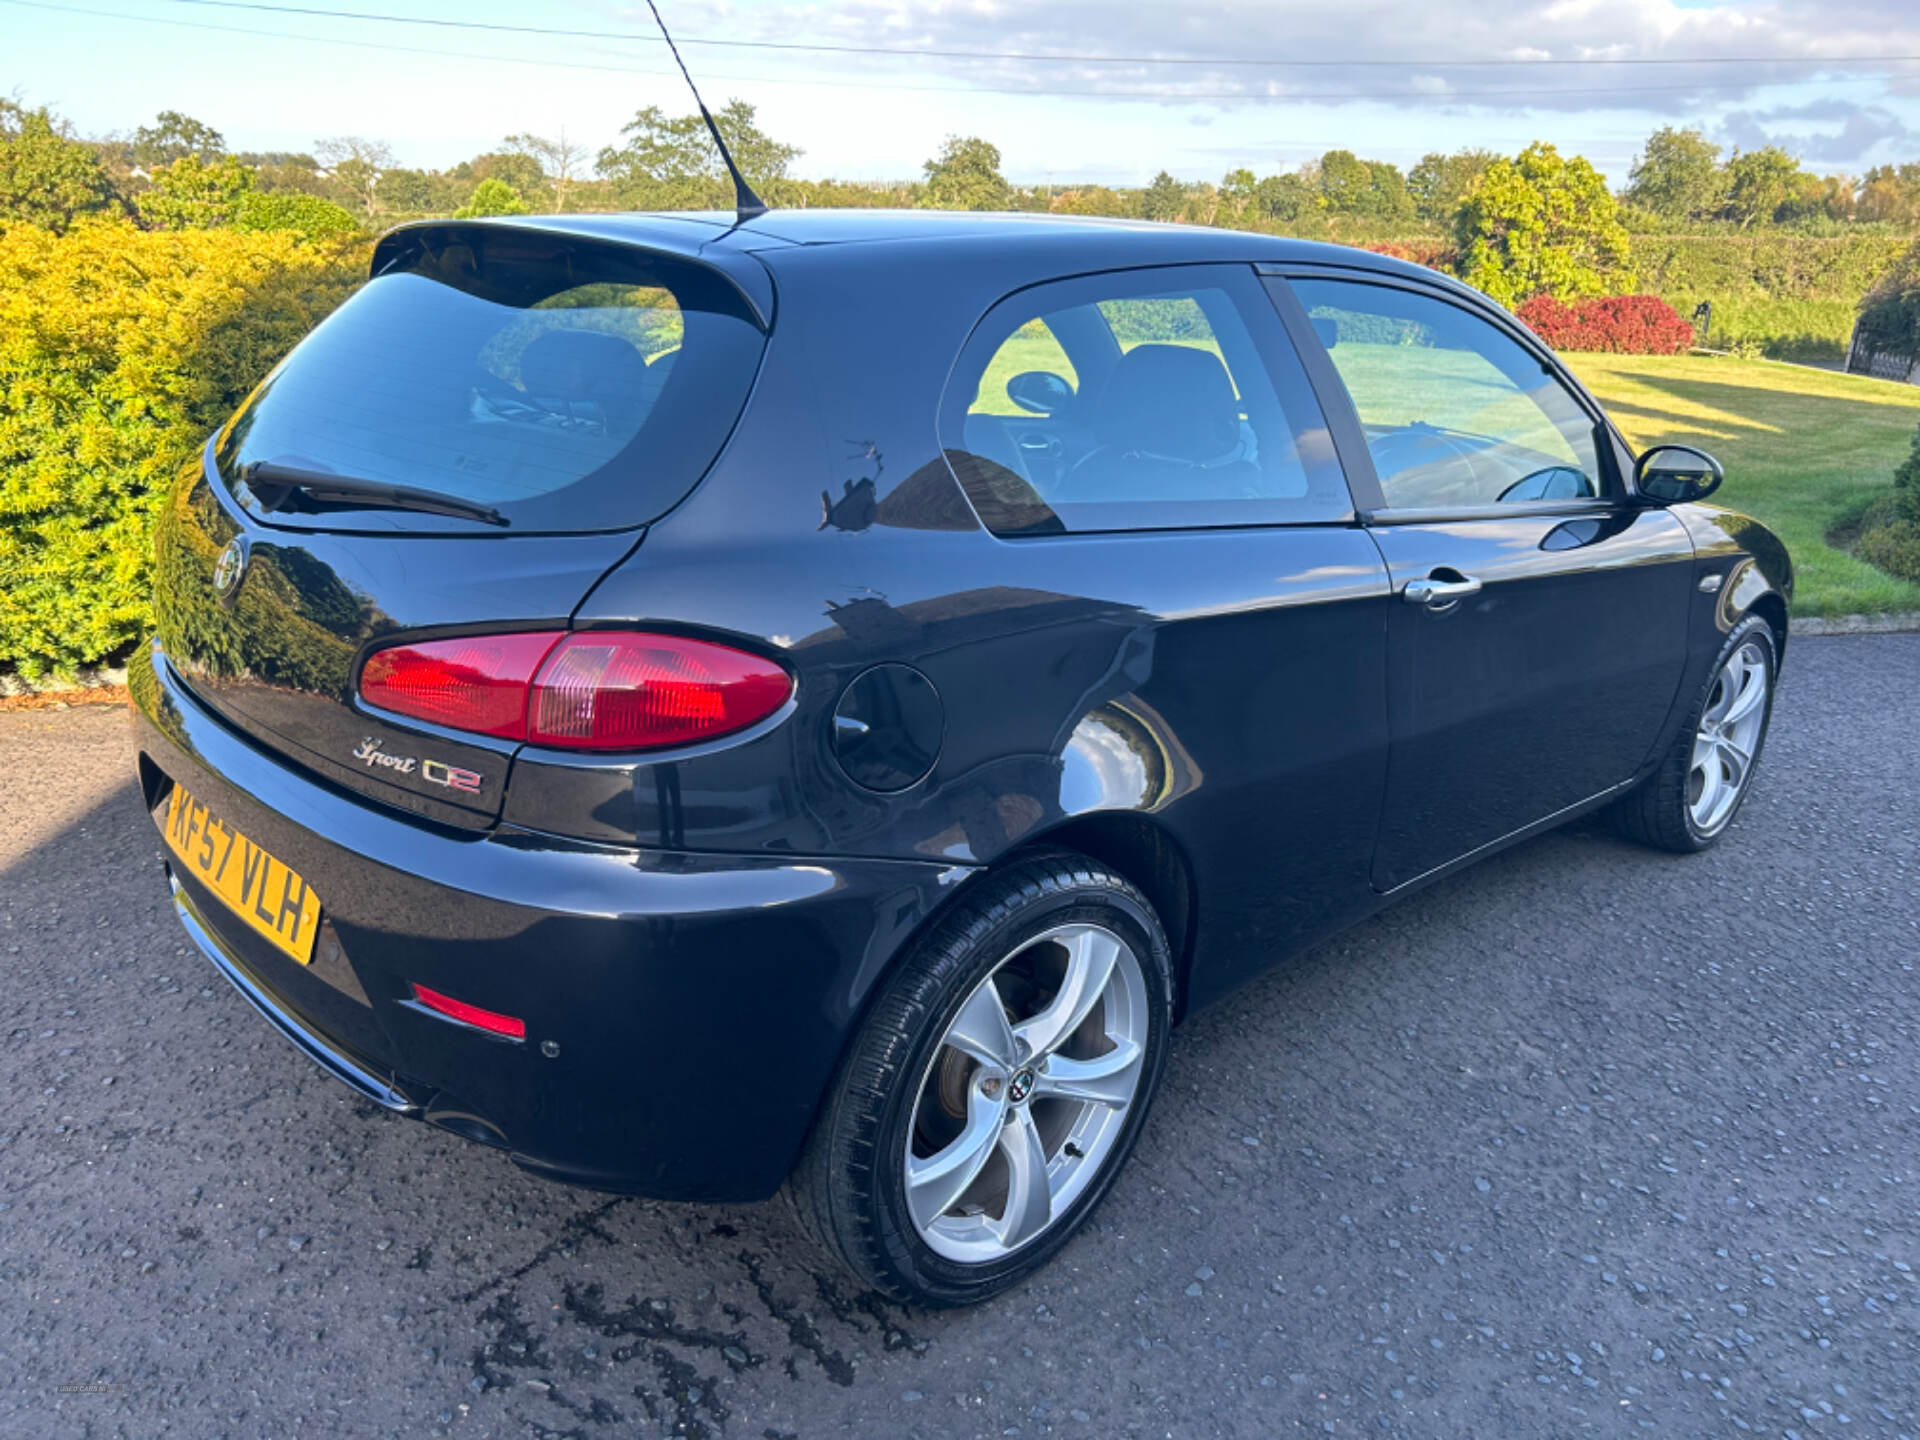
(256,886)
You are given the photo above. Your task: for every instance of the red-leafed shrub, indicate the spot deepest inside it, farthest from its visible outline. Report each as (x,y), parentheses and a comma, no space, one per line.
(1619,324)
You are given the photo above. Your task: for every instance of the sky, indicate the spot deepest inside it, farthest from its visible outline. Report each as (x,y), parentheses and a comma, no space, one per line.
(1120,89)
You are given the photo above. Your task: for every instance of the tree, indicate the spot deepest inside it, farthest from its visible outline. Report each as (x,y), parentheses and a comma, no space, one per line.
(761,158)
(355,164)
(407,192)
(1439,183)
(560,161)
(1816,197)
(1345,182)
(1542,224)
(1389,202)
(1237,191)
(1095,200)
(286,171)
(191,194)
(1759,183)
(671,162)
(965,175)
(1164,199)
(1285,198)
(48,179)
(1678,175)
(1364,189)
(174,136)
(519,170)
(1890,194)
(491,197)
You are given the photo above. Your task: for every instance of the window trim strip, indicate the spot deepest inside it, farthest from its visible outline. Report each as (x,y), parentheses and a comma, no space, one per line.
(1591,509)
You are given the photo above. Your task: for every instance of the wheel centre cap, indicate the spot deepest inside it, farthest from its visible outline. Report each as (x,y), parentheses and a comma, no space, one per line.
(1021,1086)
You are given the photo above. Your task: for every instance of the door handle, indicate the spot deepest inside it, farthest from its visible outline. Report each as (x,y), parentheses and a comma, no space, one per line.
(1437,594)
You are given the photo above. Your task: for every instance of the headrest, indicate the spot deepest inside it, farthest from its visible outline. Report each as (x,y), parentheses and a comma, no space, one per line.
(581,364)
(1172,400)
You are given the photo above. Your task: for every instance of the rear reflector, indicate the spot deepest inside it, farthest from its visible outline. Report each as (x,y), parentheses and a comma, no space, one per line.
(489,1020)
(589,690)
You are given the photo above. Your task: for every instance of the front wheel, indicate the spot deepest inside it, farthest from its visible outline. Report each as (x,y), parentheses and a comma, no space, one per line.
(1692,798)
(996,1088)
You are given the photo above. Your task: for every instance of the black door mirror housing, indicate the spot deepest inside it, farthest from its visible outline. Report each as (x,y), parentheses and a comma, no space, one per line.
(1675,474)
(1040,392)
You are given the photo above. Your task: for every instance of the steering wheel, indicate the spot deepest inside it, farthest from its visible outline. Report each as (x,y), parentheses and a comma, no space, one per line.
(1555,482)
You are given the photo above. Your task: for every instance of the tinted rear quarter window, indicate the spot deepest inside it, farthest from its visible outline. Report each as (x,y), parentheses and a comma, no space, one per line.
(1177,402)
(571,385)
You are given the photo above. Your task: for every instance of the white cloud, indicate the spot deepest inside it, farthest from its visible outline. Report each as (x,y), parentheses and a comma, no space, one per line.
(1788,33)
(1863,133)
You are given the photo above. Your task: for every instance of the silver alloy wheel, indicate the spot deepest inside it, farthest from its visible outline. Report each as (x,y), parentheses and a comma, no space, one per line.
(1027,1093)
(1729,732)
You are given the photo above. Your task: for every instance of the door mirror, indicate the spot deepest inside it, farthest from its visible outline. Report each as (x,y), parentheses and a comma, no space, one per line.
(1040,392)
(1674,474)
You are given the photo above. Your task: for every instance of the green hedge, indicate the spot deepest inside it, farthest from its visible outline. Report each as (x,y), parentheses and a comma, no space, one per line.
(1782,267)
(1794,295)
(120,352)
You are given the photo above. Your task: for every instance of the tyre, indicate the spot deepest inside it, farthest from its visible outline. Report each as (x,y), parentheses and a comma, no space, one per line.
(1689,802)
(996,1087)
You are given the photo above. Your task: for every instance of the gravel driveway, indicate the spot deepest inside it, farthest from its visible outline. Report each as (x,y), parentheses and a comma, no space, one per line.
(1588,1140)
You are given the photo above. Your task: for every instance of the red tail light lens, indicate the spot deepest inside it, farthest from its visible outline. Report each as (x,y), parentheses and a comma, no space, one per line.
(476,683)
(615,691)
(591,690)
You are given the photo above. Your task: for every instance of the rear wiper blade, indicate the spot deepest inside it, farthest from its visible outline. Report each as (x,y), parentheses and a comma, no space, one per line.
(274,483)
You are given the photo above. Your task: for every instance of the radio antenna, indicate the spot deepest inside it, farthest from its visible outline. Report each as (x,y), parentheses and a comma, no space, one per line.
(746,204)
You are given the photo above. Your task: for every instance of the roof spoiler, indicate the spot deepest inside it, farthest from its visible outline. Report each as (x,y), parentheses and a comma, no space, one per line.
(692,238)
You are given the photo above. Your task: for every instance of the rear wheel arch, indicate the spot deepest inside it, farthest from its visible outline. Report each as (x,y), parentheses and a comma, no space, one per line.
(1133,846)
(845,1188)
(1149,859)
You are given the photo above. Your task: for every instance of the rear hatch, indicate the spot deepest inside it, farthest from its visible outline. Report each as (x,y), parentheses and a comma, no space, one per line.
(464,448)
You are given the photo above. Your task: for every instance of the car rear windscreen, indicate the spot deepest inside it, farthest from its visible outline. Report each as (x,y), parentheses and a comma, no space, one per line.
(567,384)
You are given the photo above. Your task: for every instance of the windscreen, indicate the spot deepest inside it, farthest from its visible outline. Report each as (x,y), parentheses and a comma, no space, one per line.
(568,385)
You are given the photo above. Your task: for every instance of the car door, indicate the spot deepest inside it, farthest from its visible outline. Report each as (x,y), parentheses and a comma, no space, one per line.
(1538,636)
(1182,477)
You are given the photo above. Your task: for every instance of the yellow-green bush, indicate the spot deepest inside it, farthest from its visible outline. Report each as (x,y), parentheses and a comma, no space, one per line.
(120,352)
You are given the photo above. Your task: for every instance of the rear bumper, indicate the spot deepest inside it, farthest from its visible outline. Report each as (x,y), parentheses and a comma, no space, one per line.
(684,1012)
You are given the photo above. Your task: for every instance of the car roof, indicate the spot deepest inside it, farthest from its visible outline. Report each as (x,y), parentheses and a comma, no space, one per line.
(959,230)
(1037,244)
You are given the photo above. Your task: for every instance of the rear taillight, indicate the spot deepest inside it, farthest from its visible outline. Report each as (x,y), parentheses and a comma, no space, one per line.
(477,682)
(629,692)
(590,690)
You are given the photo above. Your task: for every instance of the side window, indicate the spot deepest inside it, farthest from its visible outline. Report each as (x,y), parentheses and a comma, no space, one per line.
(1146,400)
(1454,411)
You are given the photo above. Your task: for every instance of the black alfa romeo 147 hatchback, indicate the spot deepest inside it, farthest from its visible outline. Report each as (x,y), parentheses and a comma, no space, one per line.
(708,706)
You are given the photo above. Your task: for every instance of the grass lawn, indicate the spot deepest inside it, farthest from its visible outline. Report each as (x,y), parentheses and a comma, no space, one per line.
(1803,448)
